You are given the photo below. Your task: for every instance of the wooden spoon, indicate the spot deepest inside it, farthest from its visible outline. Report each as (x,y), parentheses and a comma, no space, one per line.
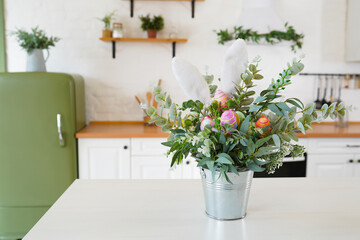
(148,98)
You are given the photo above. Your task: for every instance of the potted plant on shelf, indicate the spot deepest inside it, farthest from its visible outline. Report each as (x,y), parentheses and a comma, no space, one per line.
(34,42)
(106,32)
(231,132)
(152,25)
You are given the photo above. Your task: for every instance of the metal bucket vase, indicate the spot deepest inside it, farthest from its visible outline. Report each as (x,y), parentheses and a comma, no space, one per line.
(225,201)
(35,61)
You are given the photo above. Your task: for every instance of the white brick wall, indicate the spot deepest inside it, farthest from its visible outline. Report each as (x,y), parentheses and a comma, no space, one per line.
(112,83)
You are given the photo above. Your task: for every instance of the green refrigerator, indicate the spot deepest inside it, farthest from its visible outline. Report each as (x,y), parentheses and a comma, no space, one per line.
(39,116)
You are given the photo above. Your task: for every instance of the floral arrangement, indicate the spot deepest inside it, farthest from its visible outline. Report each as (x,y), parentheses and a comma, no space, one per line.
(234,129)
(272,37)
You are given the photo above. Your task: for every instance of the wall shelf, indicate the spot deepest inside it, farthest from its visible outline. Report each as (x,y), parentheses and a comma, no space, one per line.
(192,5)
(169,40)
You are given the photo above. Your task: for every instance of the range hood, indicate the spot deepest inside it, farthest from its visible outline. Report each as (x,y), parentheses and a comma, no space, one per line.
(259,15)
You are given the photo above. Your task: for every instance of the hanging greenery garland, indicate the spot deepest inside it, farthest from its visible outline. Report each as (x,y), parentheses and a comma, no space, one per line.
(272,37)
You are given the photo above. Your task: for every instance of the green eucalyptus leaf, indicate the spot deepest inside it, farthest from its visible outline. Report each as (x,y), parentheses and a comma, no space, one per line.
(254,167)
(324,109)
(172,112)
(245,125)
(168,102)
(160,122)
(223,160)
(275,109)
(151,110)
(210,165)
(332,108)
(254,108)
(284,137)
(284,106)
(233,169)
(157,90)
(276,140)
(260,162)
(300,126)
(309,108)
(261,141)
(293,136)
(265,151)
(340,106)
(258,77)
(259,99)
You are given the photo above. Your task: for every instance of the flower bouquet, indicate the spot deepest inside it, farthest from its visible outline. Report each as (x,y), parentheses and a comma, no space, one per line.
(233,131)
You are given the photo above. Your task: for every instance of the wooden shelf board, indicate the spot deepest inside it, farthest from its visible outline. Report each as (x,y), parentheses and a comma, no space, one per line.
(144,39)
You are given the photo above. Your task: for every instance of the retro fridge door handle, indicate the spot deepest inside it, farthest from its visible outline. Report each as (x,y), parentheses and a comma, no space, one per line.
(61,138)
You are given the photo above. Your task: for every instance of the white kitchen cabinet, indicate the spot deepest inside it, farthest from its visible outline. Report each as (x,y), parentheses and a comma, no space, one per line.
(130,158)
(104,158)
(333,157)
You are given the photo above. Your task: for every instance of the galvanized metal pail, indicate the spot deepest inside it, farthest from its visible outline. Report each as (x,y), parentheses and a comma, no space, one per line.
(223,200)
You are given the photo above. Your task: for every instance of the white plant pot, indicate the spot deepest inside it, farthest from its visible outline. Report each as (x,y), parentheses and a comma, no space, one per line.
(35,61)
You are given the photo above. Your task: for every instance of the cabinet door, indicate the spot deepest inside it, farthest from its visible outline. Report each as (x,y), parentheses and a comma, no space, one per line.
(326,165)
(101,158)
(190,169)
(154,167)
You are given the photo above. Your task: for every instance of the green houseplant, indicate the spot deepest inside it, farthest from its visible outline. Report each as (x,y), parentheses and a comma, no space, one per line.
(234,131)
(272,37)
(152,24)
(106,32)
(34,42)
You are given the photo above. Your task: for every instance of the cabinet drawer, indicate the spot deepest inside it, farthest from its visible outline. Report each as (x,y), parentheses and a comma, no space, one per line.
(148,146)
(334,145)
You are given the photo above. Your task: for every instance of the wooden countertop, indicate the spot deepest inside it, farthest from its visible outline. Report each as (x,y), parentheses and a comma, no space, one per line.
(120,130)
(139,130)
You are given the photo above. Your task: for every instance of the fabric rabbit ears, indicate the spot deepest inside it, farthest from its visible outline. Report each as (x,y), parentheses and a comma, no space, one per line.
(194,84)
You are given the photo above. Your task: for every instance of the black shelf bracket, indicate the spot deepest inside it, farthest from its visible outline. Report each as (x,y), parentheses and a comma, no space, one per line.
(131,8)
(113,49)
(113,43)
(192,8)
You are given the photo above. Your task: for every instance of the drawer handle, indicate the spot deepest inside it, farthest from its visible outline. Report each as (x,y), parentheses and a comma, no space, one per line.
(125,147)
(352,146)
(351,161)
(188,162)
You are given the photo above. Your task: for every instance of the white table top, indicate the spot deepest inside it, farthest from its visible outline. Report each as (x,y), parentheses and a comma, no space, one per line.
(173,209)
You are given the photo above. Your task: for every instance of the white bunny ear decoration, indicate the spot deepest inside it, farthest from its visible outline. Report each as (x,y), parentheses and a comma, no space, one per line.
(190,80)
(235,60)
